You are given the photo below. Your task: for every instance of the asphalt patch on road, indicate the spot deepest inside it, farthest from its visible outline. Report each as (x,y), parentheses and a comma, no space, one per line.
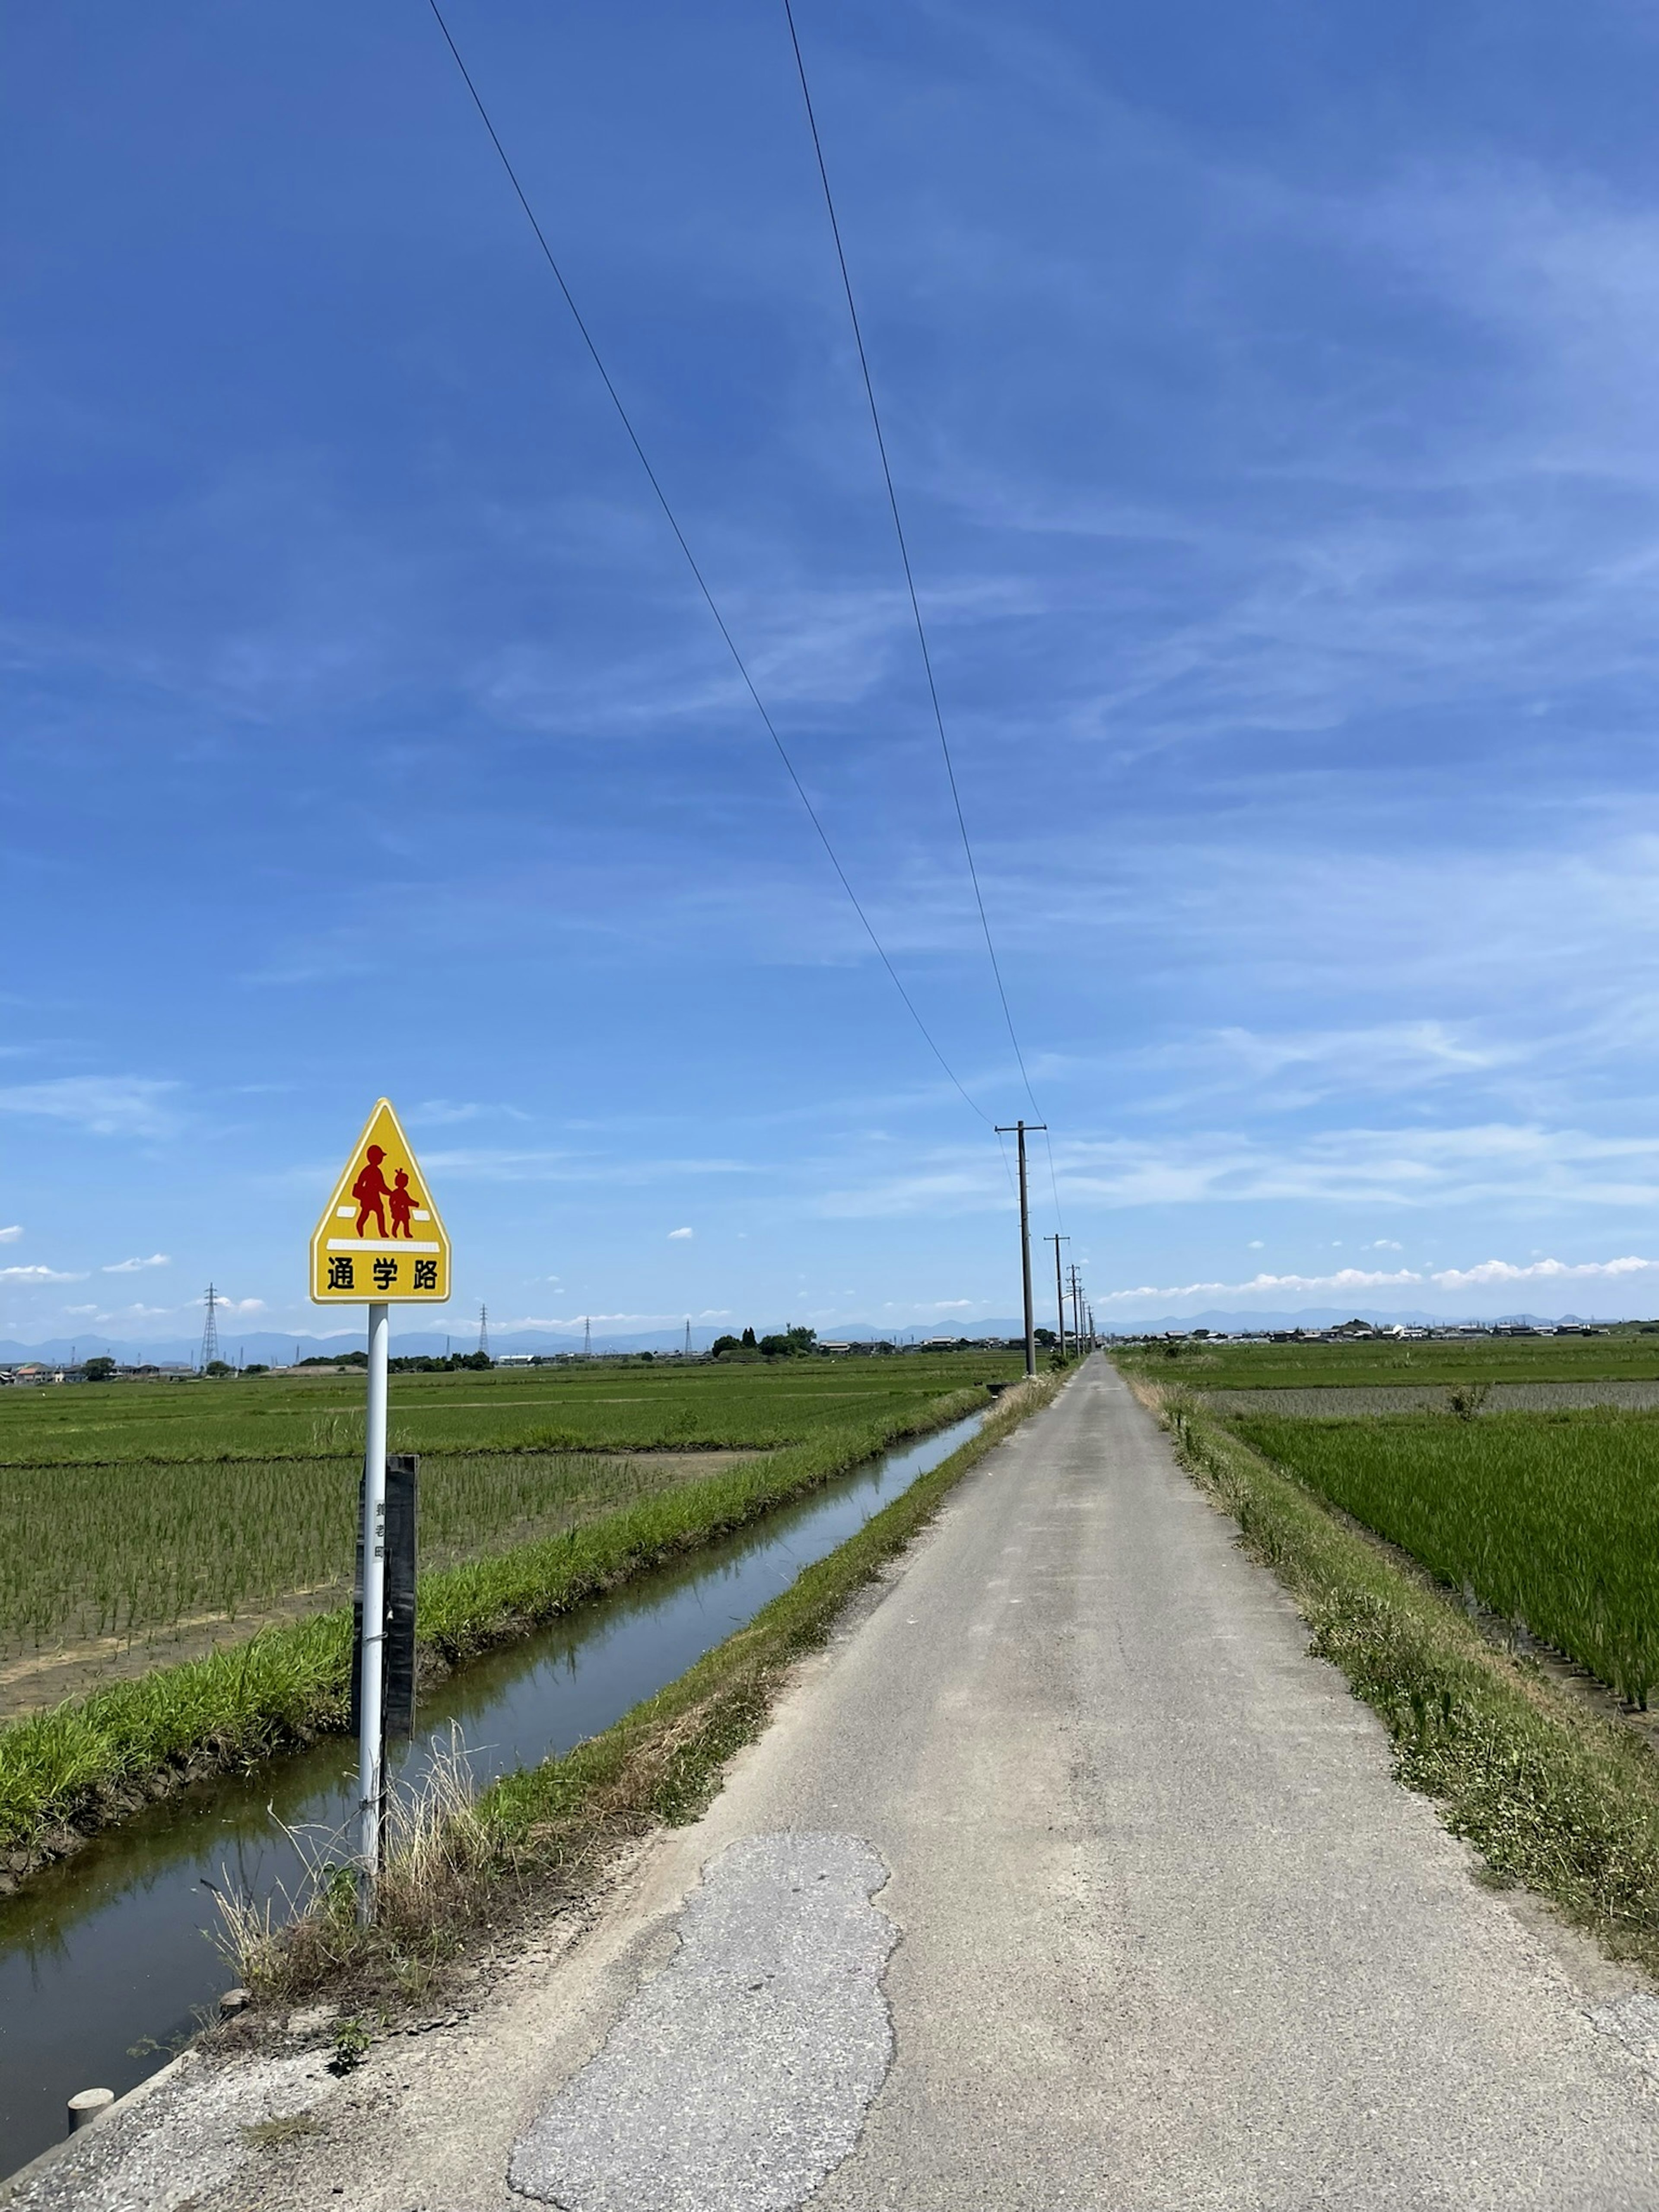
(739,2076)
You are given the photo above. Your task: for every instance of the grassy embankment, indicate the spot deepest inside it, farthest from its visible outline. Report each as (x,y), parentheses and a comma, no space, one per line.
(454,1863)
(1551,1793)
(91,1758)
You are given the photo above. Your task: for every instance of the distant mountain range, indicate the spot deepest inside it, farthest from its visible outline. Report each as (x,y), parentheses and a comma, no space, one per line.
(255,1347)
(1222,1324)
(263,1345)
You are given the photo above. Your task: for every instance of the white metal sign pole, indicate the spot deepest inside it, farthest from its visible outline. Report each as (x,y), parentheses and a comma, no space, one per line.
(371,1670)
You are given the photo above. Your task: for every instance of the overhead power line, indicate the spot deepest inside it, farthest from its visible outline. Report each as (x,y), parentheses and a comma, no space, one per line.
(904,546)
(909,575)
(680,539)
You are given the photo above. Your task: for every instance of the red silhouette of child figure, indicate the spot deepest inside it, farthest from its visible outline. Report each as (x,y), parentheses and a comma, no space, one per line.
(371,1191)
(402,1205)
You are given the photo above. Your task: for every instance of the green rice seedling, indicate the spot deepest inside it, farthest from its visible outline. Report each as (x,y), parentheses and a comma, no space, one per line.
(1551,1521)
(142,1507)
(119,1552)
(602,1406)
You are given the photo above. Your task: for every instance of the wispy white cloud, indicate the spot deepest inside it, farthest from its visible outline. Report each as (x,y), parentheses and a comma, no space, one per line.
(674,1235)
(1287,1070)
(486,1164)
(1411,1167)
(106,1105)
(39,1275)
(1488,1275)
(1344,1279)
(132,1266)
(440,1112)
(1494,1272)
(11,1235)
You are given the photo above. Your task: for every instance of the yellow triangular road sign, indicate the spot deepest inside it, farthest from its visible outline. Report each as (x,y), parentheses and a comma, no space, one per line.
(380,1237)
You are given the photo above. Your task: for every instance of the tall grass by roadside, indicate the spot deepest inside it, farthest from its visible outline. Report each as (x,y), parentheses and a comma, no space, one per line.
(438,1850)
(91,1759)
(1550,1793)
(1551,1520)
(555,1823)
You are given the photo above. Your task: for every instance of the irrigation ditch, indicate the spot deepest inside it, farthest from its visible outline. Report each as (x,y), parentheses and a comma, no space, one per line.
(112,1960)
(76,1767)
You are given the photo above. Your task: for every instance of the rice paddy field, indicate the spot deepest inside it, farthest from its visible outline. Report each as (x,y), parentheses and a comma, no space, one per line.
(1550,1519)
(1629,1353)
(602,1406)
(127,1509)
(1521,1472)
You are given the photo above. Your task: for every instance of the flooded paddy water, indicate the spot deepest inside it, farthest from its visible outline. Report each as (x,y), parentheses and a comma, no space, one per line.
(109,1961)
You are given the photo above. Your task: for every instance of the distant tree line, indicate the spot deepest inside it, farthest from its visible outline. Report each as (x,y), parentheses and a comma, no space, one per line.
(422,1364)
(415,1364)
(790,1345)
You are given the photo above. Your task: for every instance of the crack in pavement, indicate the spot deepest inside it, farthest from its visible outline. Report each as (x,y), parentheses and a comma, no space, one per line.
(738,2076)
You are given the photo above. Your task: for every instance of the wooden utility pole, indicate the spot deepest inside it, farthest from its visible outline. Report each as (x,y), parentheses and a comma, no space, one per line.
(1019,1130)
(1060,1294)
(1077,1309)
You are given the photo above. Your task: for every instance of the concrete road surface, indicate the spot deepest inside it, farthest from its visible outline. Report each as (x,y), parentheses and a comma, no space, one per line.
(1063,1878)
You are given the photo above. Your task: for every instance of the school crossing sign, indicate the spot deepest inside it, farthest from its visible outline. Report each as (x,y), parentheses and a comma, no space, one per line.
(380,1238)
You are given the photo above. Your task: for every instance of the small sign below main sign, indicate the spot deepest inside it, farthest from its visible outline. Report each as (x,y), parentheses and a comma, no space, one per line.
(380,1238)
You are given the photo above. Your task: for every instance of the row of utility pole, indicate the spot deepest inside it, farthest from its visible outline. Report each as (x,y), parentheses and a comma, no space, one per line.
(1083,1320)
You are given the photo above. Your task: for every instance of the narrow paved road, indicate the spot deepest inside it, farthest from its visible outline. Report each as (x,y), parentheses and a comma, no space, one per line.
(1064,1878)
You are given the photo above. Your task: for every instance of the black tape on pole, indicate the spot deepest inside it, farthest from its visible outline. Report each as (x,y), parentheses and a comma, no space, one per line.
(357,1619)
(402,1485)
(398,1658)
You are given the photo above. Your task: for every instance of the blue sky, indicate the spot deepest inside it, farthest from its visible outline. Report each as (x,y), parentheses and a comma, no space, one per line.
(1271,393)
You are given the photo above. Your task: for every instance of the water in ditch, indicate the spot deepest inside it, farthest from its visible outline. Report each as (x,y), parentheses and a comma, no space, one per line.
(109,1961)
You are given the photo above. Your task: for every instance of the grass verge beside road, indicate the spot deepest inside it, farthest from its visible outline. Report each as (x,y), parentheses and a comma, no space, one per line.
(457,1864)
(1551,1795)
(67,1771)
